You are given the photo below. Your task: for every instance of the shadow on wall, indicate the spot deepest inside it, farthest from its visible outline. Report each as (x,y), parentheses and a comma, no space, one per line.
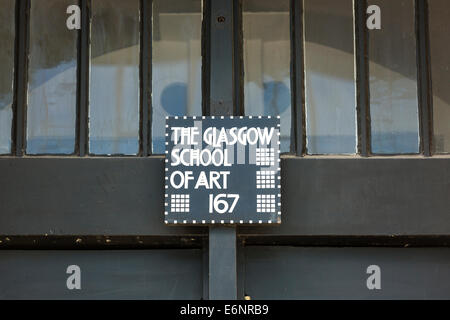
(174,99)
(277,97)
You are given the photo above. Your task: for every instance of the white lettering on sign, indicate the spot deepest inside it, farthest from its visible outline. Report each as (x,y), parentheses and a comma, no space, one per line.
(220,205)
(196,157)
(216,137)
(216,179)
(183,135)
(210,180)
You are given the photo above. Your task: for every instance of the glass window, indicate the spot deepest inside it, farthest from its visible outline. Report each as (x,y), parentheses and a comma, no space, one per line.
(267,57)
(52,79)
(7,28)
(393,80)
(176,63)
(439,27)
(330,77)
(114,79)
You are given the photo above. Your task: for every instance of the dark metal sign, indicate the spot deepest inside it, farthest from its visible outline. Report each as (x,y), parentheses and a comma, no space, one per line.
(222,170)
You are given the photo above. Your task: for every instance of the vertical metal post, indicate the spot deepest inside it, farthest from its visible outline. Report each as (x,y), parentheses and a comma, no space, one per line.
(21,76)
(146,76)
(83,78)
(222,263)
(221,59)
(362,72)
(297,78)
(222,240)
(423,77)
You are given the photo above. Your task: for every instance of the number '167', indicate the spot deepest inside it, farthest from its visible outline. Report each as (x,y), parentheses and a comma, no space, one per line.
(220,204)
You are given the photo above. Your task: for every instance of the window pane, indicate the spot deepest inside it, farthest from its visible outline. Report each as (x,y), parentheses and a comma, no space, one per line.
(52,79)
(7,71)
(393,80)
(176,59)
(114,80)
(267,56)
(330,77)
(439,27)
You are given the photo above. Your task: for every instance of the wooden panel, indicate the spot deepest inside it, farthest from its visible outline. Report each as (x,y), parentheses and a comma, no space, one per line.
(113,274)
(341,273)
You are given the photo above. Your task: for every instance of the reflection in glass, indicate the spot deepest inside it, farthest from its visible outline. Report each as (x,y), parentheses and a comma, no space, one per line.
(7,72)
(267,89)
(176,59)
(439,27)
(393,80)
(52,79)
(330,77)
(114,79)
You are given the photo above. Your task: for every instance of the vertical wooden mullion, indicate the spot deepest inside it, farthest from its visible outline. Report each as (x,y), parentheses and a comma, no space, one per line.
(362,78)
(423,77)
(206,56)
(221,82)
(298,145)
(222,266)
(83,78)
(20,77)
(238,60)
(205,269)
(240,269)
(145,77)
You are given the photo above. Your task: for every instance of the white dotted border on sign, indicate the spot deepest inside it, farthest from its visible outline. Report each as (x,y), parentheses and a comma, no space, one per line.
(186,222)
(221,117)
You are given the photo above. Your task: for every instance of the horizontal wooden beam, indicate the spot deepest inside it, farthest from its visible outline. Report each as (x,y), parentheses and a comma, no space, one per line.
(73,196)
(363,196)
(320,197)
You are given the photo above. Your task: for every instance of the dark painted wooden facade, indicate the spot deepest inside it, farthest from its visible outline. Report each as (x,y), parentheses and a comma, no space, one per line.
(340,213)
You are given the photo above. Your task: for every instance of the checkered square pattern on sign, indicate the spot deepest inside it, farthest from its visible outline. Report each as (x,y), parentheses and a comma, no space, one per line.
(265,203)
(265,156)
(179,203)
(265,179)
